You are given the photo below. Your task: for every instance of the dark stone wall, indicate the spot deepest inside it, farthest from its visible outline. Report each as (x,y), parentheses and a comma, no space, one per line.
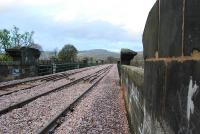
(126,56)
(14,70)
(25,55)
(170,28)
(150,35)
(24,64)
(171,43)
(166,98)
(191,26)
(132,80)
(29,56)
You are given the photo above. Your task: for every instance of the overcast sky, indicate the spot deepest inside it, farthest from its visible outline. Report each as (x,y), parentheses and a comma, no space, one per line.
(88,24)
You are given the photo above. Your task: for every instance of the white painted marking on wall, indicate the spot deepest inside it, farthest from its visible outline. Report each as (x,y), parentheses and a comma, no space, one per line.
(190,105)
(135,95)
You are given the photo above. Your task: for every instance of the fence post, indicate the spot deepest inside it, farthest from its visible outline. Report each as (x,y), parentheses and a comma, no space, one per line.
(54,68)
(78,66)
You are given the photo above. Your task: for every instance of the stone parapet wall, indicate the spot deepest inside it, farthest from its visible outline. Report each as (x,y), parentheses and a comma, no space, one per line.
(132,80)
(172,98)
(168,100)
(171,43)
(14,70)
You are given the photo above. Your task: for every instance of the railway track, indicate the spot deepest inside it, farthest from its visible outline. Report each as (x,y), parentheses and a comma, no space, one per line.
(32,98)
(84,85)
(6,89)
(57,120)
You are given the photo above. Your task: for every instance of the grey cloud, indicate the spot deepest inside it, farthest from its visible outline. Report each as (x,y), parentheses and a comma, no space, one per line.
(50,33)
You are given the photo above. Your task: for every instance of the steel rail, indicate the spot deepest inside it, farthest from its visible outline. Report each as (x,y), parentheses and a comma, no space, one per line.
(53,124)
(49,78)
(40,78)
(26,101)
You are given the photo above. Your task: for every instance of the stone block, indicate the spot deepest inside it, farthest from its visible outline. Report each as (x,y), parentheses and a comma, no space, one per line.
(182,103)
(150,35)
(154,87)
(132,79)
(126,56)
(192,26)
(170,31)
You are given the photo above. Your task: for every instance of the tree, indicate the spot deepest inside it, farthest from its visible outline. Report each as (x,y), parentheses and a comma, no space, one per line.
(15,39)
(27,39)
(5,42)
(68,53)
(21,39)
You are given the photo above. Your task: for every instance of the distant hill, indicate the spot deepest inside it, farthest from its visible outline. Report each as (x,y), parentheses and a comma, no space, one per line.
(98,53)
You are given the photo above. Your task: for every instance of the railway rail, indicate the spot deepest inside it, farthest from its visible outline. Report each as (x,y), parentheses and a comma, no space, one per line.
(57,120)
(28,100)
(84,83)
(6,89)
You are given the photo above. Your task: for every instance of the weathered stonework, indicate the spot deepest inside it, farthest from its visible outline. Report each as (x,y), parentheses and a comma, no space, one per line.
(172,76)
(25,55)
(14,70)
(170,28)
(126,56)
(150,35)
(24,64)
(132,79)
(168,100)
(191,26)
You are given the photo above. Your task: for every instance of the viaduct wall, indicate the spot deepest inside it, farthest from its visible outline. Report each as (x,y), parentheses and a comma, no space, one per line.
(14,70)
(169,100)
(132,83)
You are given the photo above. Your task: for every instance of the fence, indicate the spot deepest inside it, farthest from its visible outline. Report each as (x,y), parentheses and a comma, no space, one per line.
(44,69)
(10,70)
